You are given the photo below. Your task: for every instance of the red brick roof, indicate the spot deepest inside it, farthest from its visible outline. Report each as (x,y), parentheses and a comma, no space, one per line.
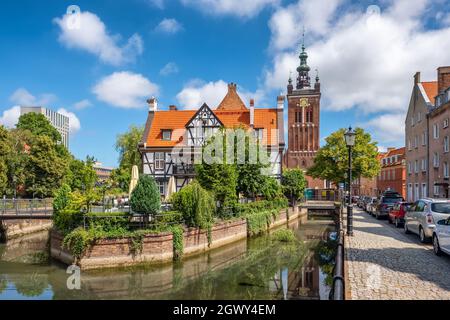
(431,89)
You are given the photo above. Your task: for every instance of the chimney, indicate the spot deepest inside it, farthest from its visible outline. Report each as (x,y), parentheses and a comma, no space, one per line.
(152,104)
(252,113)
(417,78)
(232,87)
(280,102)
(173,108)
(443,79)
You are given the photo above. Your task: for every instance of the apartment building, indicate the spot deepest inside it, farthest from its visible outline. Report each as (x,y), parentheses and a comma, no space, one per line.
(393,172)
(427,134)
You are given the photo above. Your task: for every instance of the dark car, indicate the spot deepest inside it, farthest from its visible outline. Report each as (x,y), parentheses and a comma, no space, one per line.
(386,203)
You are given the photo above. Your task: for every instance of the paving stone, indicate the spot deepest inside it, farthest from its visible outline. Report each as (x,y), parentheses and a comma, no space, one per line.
(383,263)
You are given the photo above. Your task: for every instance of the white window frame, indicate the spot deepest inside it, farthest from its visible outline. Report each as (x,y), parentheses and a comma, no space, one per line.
(436,160)
(409,167)
(435,131)
(164,135)
(424,138)
(161,187)
(446,170)
(445,124)
(424,190)
(160,162)
(446,144)
(410,192)
(416,142)
(416,166)
(416,191)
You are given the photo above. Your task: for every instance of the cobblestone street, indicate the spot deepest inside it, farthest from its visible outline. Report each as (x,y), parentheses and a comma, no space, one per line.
(383,263)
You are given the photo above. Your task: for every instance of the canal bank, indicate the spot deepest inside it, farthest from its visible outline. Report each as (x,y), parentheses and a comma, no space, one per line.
(158,248)
(16,228)
(251,268)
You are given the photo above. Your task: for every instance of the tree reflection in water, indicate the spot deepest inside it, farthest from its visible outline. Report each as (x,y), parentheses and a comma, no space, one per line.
(326,256)
(32,285)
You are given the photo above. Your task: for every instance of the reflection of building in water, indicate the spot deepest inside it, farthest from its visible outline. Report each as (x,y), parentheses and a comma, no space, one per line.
(302,284)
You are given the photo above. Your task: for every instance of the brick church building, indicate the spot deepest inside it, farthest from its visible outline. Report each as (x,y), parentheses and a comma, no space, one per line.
(303,121)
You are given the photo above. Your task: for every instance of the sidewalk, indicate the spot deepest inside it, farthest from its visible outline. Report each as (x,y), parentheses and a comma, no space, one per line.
(383,263)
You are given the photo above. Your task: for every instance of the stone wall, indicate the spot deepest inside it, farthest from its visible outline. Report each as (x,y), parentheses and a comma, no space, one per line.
(11,229)
(158,248)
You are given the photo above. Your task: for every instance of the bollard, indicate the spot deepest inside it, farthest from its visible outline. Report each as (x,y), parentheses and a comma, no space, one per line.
(350,220)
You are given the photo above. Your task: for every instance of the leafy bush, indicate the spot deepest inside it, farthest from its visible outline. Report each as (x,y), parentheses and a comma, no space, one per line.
(284,235)
(196,204)
(244,209)
(145,198)
(169,218)
(271,189)
(67,210)
(259,222)
(77,241)
(178,247)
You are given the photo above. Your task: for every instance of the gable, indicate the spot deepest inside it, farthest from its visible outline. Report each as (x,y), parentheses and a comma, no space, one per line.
(204,117)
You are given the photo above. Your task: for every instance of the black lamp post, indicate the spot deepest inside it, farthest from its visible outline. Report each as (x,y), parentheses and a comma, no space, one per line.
(350,137)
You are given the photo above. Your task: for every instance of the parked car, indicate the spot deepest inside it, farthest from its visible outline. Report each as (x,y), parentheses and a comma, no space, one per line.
(371,205)
(385,204)
(441,237)
(422,216)
(361,201)
(366,202)
(397,213)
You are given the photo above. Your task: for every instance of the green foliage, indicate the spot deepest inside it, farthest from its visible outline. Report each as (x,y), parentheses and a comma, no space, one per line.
(45,168)
(136,243)
(196,204)
(77,242)
(169,218)
(145,198)
(245,209)
(32,285)
(38,125)
(271,189)
(259,222)
(67,210)
(284,235)
(331,162)
(129,156)
(81,174)
(178,236)
(326,255)
(4,152)
(293,183)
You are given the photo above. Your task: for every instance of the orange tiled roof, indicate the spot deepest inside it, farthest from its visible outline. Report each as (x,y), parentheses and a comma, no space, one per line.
(431,89)
(232,101)
(177,121)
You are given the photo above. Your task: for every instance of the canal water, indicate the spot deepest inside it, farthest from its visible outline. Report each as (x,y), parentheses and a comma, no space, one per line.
(257,268)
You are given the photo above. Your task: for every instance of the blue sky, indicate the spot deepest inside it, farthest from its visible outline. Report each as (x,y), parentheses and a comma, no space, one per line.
(184,52)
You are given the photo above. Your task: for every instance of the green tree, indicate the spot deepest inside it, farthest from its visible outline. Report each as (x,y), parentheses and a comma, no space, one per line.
(331,162)
(45,168)
(145,198)
(271,189)
(81,174)
(294,184)
(129,156)
(196,204)
(4,152)
(38,125)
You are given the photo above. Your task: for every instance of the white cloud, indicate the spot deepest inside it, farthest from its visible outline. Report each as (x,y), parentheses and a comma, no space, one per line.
(23,97)
(10,117)
(93,37)
(366,62)
(125,90)
(169,69)
(83,104)
(170,26)
(157,3)
(240,8)
(387,127)
(197,92)
(74,122)
(286,24)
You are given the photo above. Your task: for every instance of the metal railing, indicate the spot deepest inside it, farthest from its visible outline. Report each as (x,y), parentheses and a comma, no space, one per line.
(322,195)
(338,287)
(24,208)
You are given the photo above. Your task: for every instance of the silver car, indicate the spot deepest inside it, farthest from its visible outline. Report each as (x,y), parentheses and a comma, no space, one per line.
(441,236)
(422,216)
(372,205)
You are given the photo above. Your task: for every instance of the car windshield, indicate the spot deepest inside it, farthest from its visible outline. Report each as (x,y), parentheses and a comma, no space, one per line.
(392,200)
(443,207)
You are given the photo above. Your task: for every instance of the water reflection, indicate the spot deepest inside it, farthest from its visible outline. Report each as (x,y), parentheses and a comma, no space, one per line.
(258,268)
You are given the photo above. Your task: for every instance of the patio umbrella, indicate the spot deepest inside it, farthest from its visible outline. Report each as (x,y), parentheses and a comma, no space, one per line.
(171,188)
(134,178)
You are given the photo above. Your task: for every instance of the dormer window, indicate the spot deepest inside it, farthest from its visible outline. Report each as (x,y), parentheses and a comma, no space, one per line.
(167,135)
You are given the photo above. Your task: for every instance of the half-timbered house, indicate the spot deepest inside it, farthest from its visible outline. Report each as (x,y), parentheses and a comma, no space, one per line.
(172,138)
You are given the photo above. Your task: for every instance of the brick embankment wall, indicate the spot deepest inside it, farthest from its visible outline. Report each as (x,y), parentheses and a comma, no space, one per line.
(158,248)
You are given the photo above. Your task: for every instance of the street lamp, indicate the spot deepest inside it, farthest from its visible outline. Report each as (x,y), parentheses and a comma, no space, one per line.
(350,137)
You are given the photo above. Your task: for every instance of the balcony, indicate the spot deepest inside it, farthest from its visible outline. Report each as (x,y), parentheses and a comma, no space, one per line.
(183,170)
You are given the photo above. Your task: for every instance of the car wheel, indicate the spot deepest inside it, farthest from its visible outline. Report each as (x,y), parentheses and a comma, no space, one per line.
(390,220)
(422,236)
(436,247)
(405,227)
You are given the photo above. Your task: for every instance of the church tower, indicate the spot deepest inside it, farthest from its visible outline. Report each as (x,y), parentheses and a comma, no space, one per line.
(303,119)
